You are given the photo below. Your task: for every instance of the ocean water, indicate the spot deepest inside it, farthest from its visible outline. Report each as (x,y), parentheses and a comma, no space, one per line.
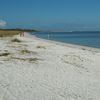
(90,39)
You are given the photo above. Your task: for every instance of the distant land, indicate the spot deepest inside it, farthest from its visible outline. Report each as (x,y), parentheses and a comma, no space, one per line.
(11,32)
(19,29)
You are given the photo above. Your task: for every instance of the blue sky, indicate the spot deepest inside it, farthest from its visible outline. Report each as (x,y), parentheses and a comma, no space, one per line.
(57,15)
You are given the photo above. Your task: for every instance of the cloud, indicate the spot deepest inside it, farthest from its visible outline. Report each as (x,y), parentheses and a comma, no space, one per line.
(3,23)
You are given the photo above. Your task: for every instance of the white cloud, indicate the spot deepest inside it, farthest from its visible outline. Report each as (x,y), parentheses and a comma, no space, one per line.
(3,23)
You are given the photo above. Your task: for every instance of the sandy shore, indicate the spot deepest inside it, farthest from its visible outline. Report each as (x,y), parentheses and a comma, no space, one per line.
(38,69)
(61,43)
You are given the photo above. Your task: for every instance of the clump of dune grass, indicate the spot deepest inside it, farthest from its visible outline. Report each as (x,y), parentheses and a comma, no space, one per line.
(33,59)
(9,33)
(6,50)
(39,47)
(83,49)
(5,54)
(26,59)
(15,40)
(25,51)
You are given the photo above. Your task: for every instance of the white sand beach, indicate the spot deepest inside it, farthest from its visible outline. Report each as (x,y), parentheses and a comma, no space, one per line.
(37,69)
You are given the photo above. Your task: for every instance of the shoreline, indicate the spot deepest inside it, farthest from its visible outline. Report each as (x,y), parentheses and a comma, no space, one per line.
(28,35)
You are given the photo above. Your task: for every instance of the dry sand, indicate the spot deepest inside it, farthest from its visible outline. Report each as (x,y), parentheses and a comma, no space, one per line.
(37,69)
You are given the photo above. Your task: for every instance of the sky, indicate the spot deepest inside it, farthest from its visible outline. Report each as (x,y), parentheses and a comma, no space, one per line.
(51,15)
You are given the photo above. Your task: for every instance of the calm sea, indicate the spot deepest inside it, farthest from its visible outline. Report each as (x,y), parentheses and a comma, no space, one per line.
(91,39)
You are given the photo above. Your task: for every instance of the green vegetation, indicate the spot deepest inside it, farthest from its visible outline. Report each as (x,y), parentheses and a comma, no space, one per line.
(26,59)
(5,54)
(15,40)
(25,51)
(41,47)
(11,32)
(4,33)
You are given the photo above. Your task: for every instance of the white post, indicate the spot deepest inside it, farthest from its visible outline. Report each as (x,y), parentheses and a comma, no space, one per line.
(48,36)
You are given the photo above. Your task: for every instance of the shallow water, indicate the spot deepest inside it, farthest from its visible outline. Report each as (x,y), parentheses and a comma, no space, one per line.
(91,39)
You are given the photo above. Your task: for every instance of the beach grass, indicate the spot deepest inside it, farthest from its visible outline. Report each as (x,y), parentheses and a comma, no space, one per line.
(39,47)
(15,40)
(4,33)
(25,51)
(11,32)
(4,54)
